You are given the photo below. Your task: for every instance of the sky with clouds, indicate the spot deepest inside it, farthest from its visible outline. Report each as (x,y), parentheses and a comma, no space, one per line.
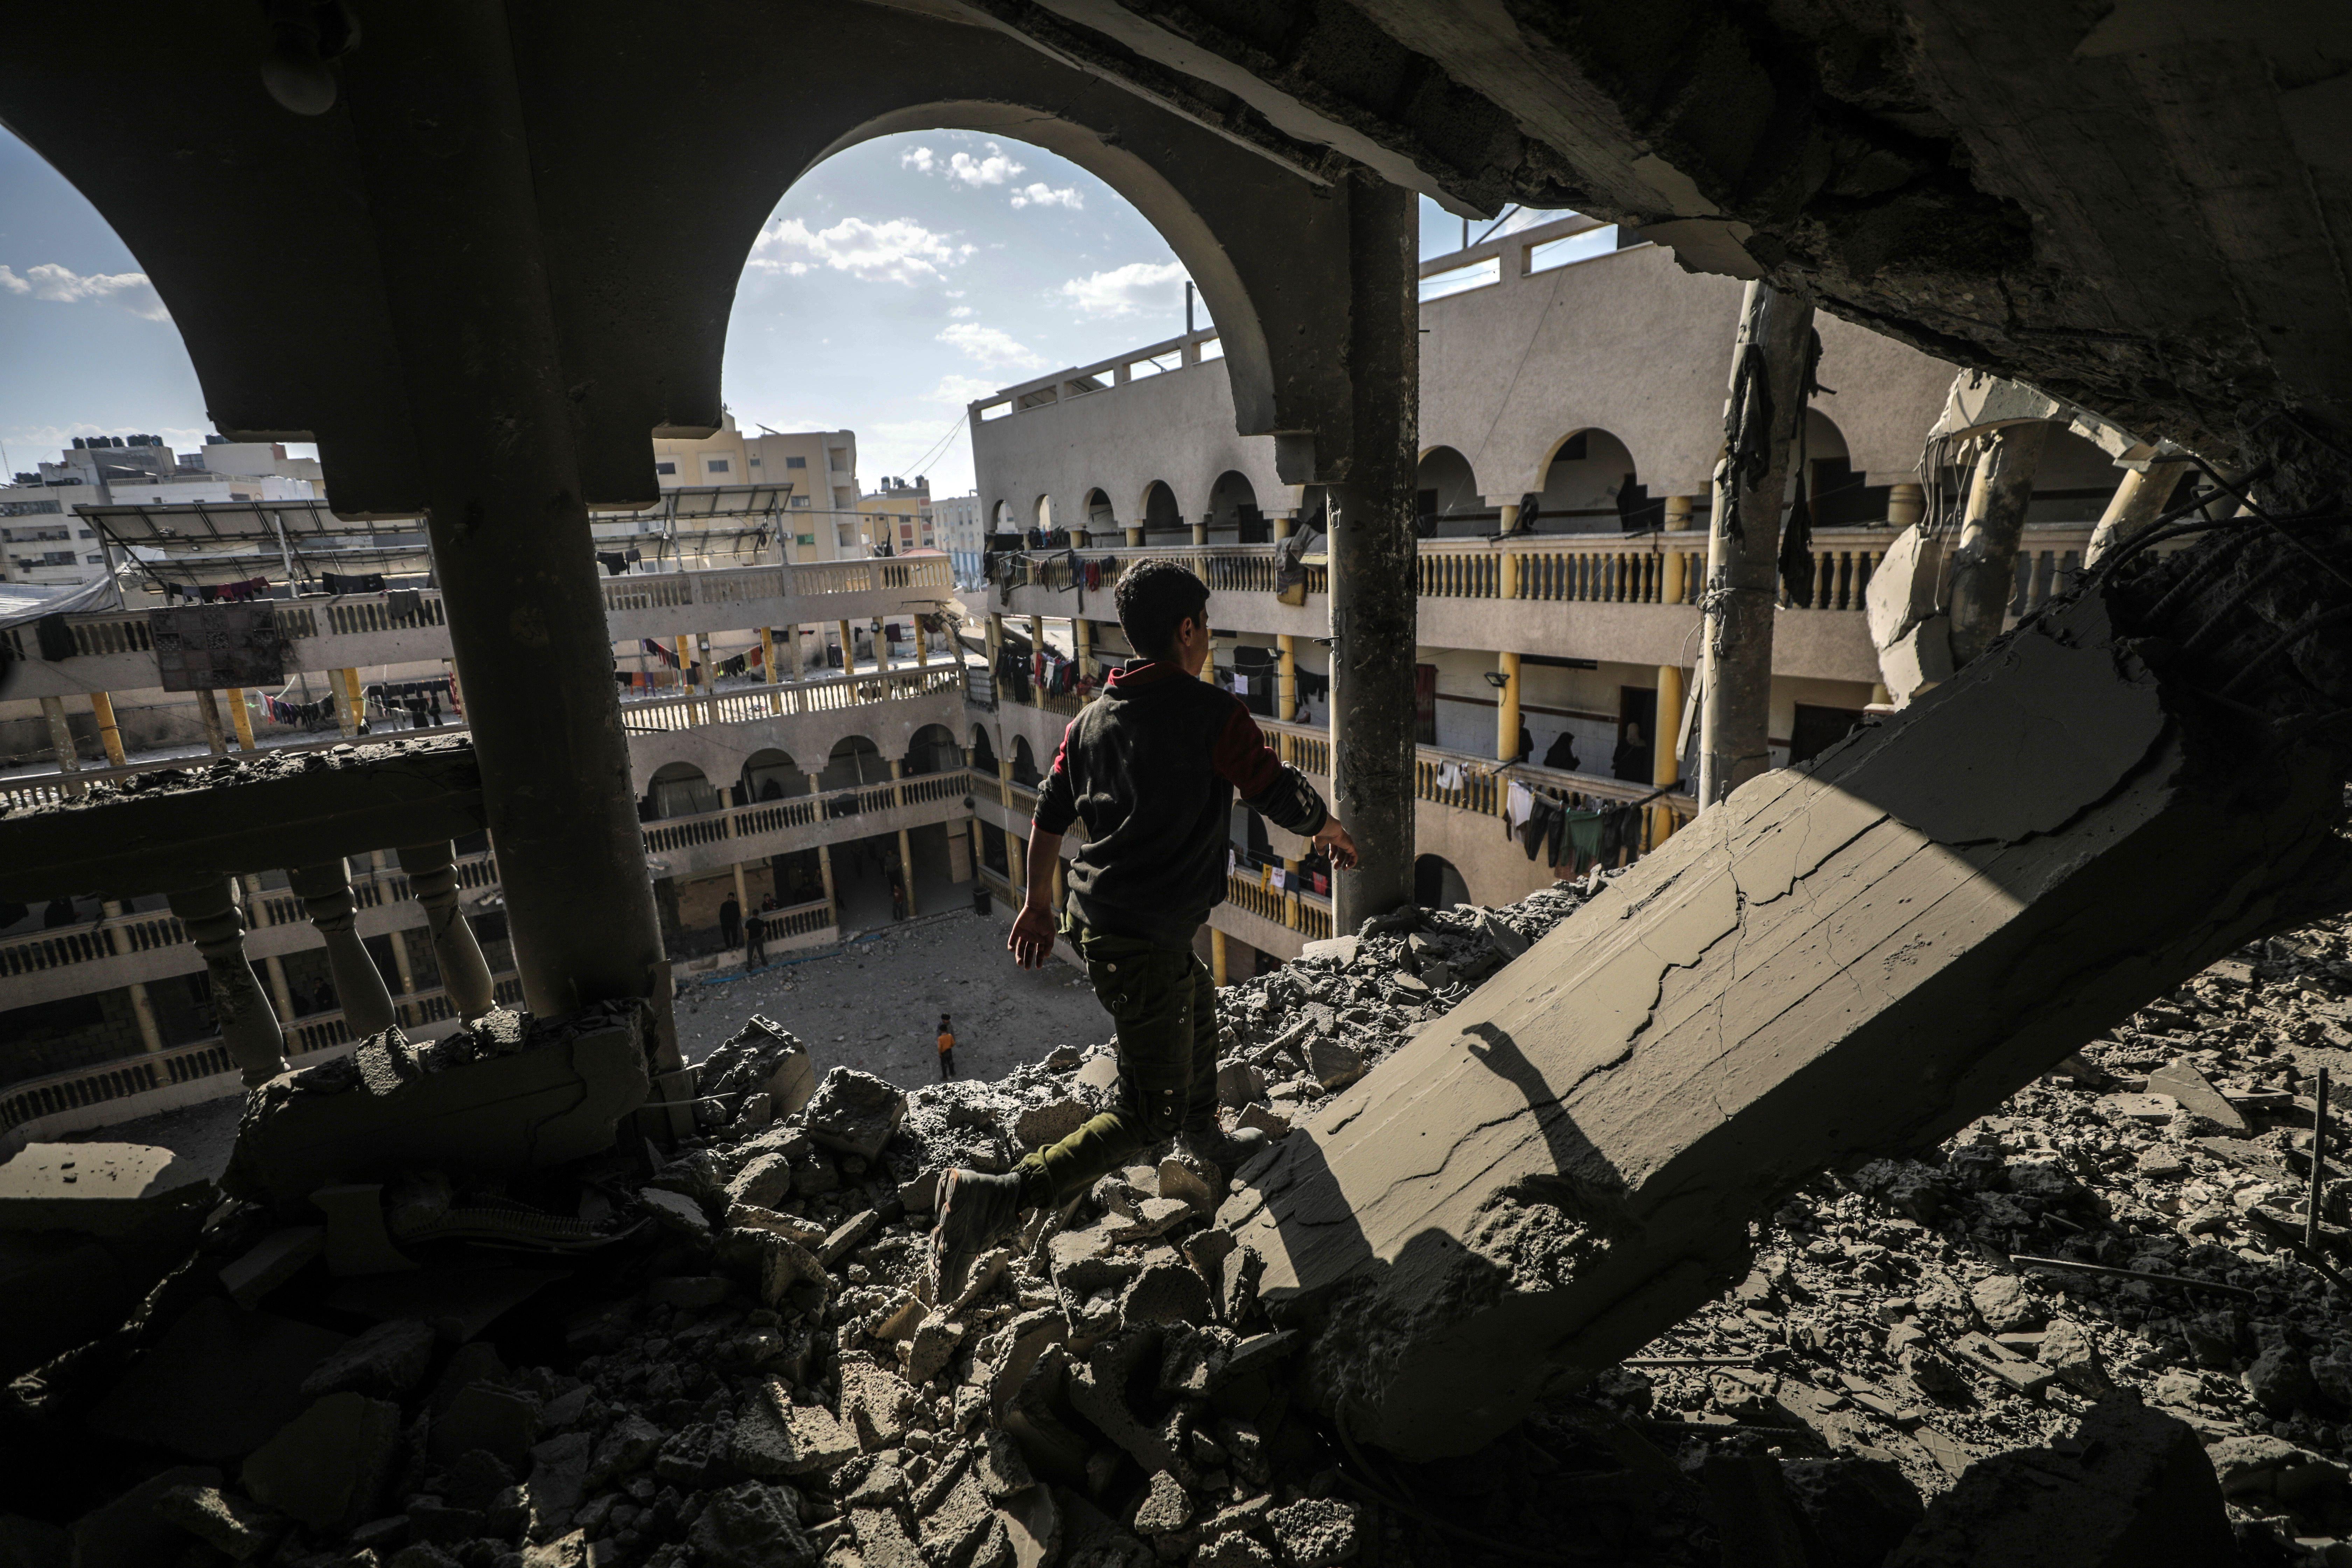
(897,281)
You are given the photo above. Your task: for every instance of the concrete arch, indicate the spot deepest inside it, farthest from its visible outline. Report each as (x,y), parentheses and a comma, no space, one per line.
(1228,494)
(855,761)
(682,789)
(1041,513)
(1436,885)
(771,774)
(931,750)
(983,750)
(1587,475)
(1157,509)
(1100,516)
(1448,488)
(1024,761)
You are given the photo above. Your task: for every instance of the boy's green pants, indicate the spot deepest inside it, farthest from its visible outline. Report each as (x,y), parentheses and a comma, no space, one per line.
(1166,1008)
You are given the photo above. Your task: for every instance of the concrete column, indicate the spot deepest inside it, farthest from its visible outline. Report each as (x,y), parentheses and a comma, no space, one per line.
(1016,862)
(1906,504)
(1036,644)
(432,872)
(240,717)
(1082,644)
(1200,533)
(682,650)
(742,890)
(61,741)
(922,643)
(1283,524)
(848,648)
(1217,958)
(325,890)
(1286,680)
(142,1006)
(354,703)
(102,708)
(208,713)
(1371,515)
(1984,566)
(248,1028)
(768,665)
(1507,518)
(824,869)
(1290,897)
(1666,766)
(709,666)
(1507,709)
(1135,536)
(1674,586)
(881,646)
(451,201)
(1743,577)
(2139,501)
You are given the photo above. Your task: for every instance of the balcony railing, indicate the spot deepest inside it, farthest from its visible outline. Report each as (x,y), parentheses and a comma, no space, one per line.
(21,1102)
(803,811)
(1595,568)
(743,704)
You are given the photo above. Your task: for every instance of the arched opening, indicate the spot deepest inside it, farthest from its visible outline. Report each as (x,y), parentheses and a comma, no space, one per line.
(855,761)
(771,775)
(983,755)
(1449,502)
(1436,885)
(679,789)
(1835,495)
(932,750)
(1590,487)
(1102,520)
(1024,762)
(1042,514)
(1161,513)
(1001,519)
(1232,510)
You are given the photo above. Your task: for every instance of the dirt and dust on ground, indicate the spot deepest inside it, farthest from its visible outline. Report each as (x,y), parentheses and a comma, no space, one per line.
(2084,1322)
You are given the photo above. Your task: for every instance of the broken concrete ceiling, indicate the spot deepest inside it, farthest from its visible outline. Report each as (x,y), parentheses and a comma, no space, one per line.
(2134,205)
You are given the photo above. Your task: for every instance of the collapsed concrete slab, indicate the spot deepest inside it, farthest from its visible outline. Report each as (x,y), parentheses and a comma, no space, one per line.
(509,1093)
(97,1189)
(1849,958)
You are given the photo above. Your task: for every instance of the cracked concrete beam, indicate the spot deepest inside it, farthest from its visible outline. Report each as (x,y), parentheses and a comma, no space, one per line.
(210,822)
(1845,958)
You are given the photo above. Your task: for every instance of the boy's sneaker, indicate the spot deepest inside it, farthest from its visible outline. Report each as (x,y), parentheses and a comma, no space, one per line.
(1228,1152)
(976,1212)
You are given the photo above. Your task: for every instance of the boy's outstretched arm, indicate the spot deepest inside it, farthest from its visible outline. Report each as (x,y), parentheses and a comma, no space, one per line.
(1031,941)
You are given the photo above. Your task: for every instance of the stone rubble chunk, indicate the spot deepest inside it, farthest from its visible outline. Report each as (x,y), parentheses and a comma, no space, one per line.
(1152,1216)
(1315,1532)
(559,1480)
(764,1182)
(502,1421)
(847,1237)
(882,1541)
(328,1465)
(1191,1181)
(217,1385)
(2004,1305)
(676,1212)
(753,1525)
(933,1346)
(876,1403)
(626,1446)
(227,1523)
(97,1189)
(854,1112)
(1168,1292)
(802,1437)
(808,1233)
(1334,1065)
(126,1532)
(954,1528)
(1165,1508)
(384,1361)
(1042,1126)
(1032,1526)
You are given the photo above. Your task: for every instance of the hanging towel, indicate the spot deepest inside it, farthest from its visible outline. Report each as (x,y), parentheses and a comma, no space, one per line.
(1449,776)
(1518,802)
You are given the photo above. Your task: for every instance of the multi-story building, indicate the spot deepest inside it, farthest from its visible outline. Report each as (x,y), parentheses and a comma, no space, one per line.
(42,542)
(820,466)
(1572,403)
(778,749)
(897,518)
(956,521)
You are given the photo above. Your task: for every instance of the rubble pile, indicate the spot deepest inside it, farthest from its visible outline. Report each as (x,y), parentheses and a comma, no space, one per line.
(735,1356)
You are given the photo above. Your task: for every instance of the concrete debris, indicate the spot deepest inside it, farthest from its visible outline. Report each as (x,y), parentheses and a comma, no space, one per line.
(772,1381)
(96,1189)
(854,1113)
(1569,1163)
(507,1093)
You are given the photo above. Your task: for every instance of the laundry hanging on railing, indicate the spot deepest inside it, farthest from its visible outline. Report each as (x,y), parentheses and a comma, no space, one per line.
(405,605)
(338,583)
(309,715)
(220,593)
(1449,776)
(419,700)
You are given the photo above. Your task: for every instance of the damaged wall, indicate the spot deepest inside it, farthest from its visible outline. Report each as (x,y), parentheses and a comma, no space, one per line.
(1846,958)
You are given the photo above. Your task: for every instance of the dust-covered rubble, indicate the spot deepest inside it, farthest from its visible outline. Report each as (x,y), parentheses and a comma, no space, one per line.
(748,1366)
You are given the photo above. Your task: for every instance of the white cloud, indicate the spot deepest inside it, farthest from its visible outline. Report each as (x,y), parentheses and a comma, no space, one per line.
(961,313)
(992,170)
(992,347)
(959,389)
(63,285)
(1127,290)
(1042,195)
(922,159)
(897,250)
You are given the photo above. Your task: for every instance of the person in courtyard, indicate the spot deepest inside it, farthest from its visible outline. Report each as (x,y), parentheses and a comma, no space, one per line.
(755,941)
(1150,767)
(730,921)
(946,1050)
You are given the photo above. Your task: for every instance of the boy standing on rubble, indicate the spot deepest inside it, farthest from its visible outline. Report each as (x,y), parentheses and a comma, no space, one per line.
(1150,767)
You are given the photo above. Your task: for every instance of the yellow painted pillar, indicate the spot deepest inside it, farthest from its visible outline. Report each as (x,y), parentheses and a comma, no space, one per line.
(768,665)
(710,669)
(401,965)
(1036,644)
(1135,536)
(824,869)
(1290,896)
(142,1006)
(61,741)
(848,649)
(240,717)
(101,707)
(1673,579)
(1082,644)
(1201,534)
(352,708)
(1217,958)
(1283,526)
(742,890)
(1667,764)
(1286,680)
(922,643)
(881,645)
(1507,709)
(907,869)
(1906,504)
(1016,861)
(208,711)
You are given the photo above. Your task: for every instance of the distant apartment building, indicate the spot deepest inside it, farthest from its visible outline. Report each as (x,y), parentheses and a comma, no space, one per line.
(897,518)
(956,520)
(820,466)
(42,542)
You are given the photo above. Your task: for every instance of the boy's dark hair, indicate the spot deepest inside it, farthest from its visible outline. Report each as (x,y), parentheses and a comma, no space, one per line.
(1152,599)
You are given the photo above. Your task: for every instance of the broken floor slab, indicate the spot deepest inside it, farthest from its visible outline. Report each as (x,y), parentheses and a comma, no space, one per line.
(97,1189)
(510,1093)
(1845,958)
